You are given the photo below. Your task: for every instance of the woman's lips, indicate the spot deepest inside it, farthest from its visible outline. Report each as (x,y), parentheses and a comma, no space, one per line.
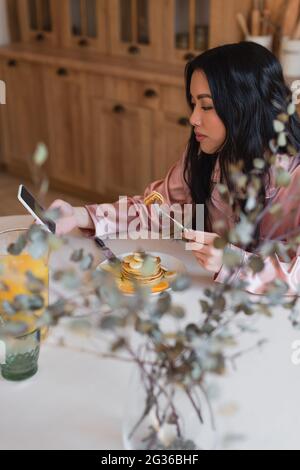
(200,137)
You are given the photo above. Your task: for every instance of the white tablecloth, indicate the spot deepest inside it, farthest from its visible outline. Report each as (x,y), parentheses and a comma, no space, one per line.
(76,401)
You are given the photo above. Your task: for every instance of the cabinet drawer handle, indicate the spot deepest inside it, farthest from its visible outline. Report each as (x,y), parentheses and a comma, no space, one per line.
(83,42)
(12,63)
(150,93)
(119,109)
(189,56)
(40,37)
(134,50)
(184,122)
(62,72)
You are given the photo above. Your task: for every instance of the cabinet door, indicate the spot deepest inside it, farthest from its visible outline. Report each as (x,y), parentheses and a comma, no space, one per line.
(22,118)
(122,142)
(38,20)
(66,111)
(136,28)
(187,28)
(224,28)
(192,26)
(172,132)
(172,129)
(84,24)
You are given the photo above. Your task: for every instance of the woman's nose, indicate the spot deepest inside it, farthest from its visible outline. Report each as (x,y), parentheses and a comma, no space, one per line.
(195,119)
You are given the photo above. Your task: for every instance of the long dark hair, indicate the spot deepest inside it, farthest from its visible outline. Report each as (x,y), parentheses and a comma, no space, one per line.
(249,92)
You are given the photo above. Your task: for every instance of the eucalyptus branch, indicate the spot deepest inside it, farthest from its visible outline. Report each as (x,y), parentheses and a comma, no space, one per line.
(239,354)
(141,365)
(196,408)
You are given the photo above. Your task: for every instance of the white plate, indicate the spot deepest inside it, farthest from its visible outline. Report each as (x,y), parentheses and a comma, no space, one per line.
(169,262)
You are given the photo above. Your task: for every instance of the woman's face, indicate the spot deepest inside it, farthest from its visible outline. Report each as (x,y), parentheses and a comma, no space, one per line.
(209,129)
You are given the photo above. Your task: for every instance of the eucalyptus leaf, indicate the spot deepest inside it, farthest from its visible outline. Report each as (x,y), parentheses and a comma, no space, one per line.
(181,283)
(177,311)
(244,230)
(59,309)
(119,344)
(256,264)
(161,306)
(283,178)
(291,109)
(44,187)
(196,371)
(192,331)
(40,155)
(80,327)
(16,248)
(69,279)
(273,146)
(222,189)
(8,308)
(231,258)
(37,233)
(220,243)
(14,328)
(26,302)
(38,249)
(55,243)
(77,255)
(283,117)
(149,266)
(282,140)
(275,208)
(4,287)
(205,306)
(278,126)
(53,214)
(251,203)
(109,322)
(87,262)
(259,163)
(111,295)
(34,284)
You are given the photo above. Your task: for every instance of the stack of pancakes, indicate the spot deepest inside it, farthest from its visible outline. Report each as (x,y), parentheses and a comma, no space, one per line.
(146,270)
(141,268)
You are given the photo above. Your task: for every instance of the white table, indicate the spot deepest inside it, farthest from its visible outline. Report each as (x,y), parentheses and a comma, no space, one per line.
(76,401)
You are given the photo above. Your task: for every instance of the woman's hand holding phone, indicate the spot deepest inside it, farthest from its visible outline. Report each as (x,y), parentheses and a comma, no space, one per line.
(70,217)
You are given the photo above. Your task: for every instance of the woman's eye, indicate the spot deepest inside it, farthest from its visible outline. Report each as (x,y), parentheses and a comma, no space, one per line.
(205,108)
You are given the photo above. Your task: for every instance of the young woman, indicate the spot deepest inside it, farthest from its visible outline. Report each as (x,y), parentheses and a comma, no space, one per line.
(235,93)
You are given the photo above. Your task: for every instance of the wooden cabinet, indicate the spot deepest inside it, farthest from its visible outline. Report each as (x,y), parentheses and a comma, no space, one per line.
(23,120)
(172,134)
(167,31)
(192,26)
(136,28)
(224,28)
(110,102)
(123,141)
(145,94)
(66,112)
(84,24)
(187,28)
(171,129)
(39,20)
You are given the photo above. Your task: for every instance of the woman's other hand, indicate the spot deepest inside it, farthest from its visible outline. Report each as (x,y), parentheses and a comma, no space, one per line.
(202,245)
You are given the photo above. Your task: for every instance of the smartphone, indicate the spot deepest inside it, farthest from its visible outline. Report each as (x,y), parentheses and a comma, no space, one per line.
(34,208)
